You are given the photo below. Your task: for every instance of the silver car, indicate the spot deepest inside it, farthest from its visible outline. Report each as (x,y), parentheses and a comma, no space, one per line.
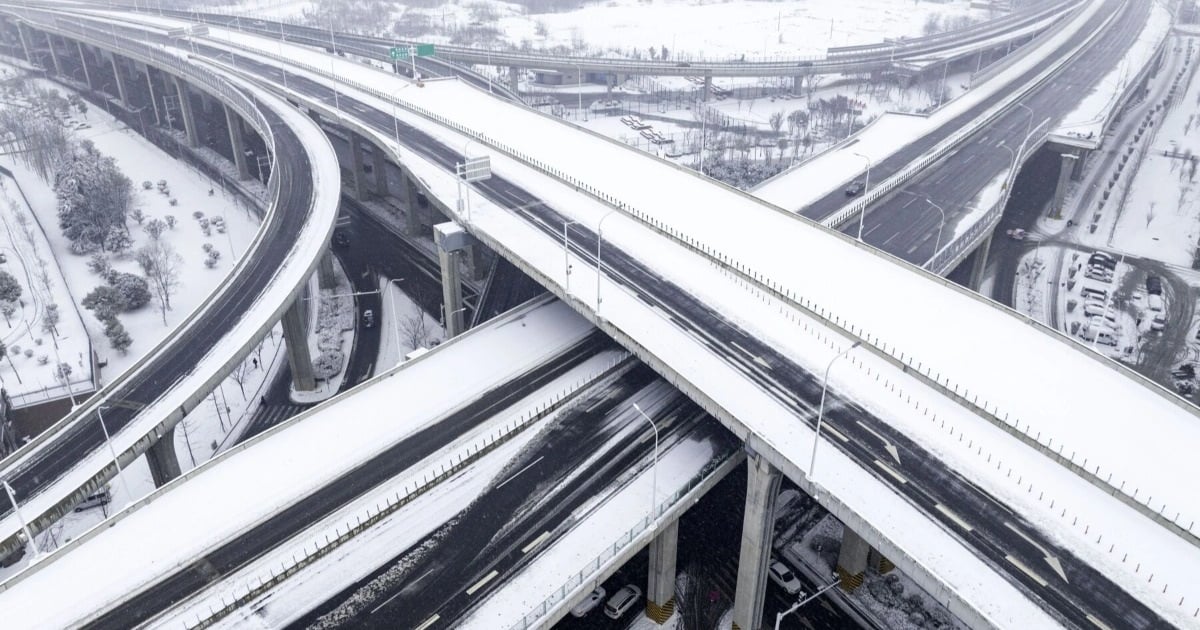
(590,602)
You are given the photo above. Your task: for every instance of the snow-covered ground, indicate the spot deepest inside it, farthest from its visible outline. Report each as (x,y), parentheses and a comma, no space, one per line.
(403,323)
(150,539)
(686,28)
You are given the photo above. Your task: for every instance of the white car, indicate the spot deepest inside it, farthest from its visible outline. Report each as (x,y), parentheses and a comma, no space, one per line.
(784,577)
(620,603)
(592,600)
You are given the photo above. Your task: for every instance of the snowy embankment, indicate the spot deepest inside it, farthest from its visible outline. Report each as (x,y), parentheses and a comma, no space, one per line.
(1089,118)
(148,540)
(241,335)
(926,320)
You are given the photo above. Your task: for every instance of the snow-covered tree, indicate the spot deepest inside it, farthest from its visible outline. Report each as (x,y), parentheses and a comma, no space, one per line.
(10,289)
(133,290)
(50,319)
(161,265)
(154,228)
(118,337)
(94,198)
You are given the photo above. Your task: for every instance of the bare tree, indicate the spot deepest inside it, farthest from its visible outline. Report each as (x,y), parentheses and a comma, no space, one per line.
(239,376)
(161,264)
(415,330)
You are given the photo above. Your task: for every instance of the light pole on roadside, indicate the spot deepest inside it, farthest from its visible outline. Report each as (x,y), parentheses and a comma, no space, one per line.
(812,462)
(779,616)
(938,243)
(599,263)
(567,258)
(654,475)
(396,308)
(112,450)
(12,497)
(866,189)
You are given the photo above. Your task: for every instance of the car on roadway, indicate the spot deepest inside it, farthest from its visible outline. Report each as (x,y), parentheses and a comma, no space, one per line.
(341,238)
(1017,234)
(855,188)
(783,576)
(1153,284)
(683,64)
(368,318)
(804,64)
(622,601)
(589,603)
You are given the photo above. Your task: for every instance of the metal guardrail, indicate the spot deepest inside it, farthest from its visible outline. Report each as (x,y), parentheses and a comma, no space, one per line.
(902,360)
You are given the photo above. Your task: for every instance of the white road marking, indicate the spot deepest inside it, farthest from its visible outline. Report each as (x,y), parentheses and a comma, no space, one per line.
(536,541)
(514,475)
(401,591)
(1050,559)
(480,584)
(757,359)
(952,516)
(837,434)
(1096,622)
(888,446)
(895,475)
(1027,571)
(428,622)
(596,404)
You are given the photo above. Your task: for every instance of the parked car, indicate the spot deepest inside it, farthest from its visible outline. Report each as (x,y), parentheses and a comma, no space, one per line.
(95,500)
(1017,234)
(1153,285)
(341,238)
(368,318)
(855,188)
(784,577)
(589,603)
(622,601)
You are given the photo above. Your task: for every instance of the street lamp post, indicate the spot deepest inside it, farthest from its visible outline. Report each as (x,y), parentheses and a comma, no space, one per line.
(396,308)
(599,264)
(113,451)
(866,189)
(654,476)
(821,410)
(779,616)
(12,497)
(566,258)
(938,243)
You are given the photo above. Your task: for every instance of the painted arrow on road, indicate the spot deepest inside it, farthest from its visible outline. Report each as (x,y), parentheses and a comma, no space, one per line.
(887,446)
(1047,556)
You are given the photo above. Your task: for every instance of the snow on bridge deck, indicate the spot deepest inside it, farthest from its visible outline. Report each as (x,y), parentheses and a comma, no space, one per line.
(1141,437)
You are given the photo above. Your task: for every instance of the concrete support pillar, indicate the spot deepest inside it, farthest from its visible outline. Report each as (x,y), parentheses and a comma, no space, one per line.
(185,110)
(610,80)
(58,69)
(660,589)
(153,96)
(356,167)
(451,239)
(797,85)
(379,163)
(514,79)
(981,260)
(23,32)
(120,79)
(758,523)
(852,560)
(237,142)
(87,73)
(1066,168)
(478,264)
(326,278)
(413,222)
(879,562)
(707,87)
(295,331)
(164,465)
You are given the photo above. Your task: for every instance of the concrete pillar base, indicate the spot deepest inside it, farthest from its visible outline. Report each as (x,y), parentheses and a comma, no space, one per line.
(1066,168)
(414,222)
(185,111)
(758,524)
(23,33)
(356,167)
(164,465)
(514,79)
(295,331)
(87,74)
(852,560)
(326,278)
(379,163)
(981,260)
(58,69)
(153,95)
(237,143)
(120,78)
(660,590)
(451,239)
(707,87)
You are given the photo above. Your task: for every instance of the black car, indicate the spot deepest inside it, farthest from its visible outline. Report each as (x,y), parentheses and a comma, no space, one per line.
(855,188)
(341,238)
(804,64)
(1153,285)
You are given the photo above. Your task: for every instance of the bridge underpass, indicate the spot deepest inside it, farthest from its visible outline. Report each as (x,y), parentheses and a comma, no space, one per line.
(385,125)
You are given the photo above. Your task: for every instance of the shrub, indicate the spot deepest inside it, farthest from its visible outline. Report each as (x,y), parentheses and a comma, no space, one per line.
(28,352)
(146,185)
(198,215)
(207,247)
(43,359)
(138,215)
(98,264)
(173,201)
(170,218)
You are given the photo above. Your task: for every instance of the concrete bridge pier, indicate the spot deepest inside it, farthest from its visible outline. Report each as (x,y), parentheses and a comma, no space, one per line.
(707,86)
(185,111)
(58,67)
(415,219)
(1066,172)
(852,560)
(379,163)
(119,79)
(981,260)
(237,143)
(295,331)
(514,79)
(660,589)
(87,72)
(451,239)
(153,96)
(23,33)
(356,166)
(162,459)
(758,523)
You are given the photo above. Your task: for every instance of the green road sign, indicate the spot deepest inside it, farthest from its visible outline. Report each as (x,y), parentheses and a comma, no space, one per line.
(424,50)
(402,52)
(398,53)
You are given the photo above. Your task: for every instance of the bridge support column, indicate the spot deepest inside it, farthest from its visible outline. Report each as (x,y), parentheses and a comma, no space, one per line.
(237,143)
(120,79)
(58,69)
(758,522)
(326,278)
(185,111)
(798,85)
(87,73)
(153,95)
(295,331)
(23,32)
(981,260)
(1065,170)
(514,79)
(479,267)
(707,86)
(413,220)
(660,590)
(451,239)
(379,163)
(852,560)
(356,167)
(164,465)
